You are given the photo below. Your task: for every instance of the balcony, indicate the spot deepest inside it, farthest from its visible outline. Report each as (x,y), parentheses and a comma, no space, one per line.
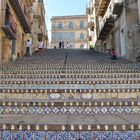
(21,11)
(118,7)
(106,27)
(102,6)
(9,26)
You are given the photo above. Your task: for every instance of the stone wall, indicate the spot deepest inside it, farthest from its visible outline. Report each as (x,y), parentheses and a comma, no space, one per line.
(132,21)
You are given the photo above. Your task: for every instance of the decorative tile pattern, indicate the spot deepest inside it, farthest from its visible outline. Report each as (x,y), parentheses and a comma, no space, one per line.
(73,135)
(51,135)
(107,135)
(70,86)
(97,135)
(62,135)
(69,110)
(70,135)
(17,135)
(66,96)
(7,135)
(39,135)
(28,135)
(85,135)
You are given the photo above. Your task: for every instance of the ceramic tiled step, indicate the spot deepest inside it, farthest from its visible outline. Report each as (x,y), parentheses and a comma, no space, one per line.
(65,82)
(42,71)
(31,71)
(66,91)
(23,107)
(35,84)
(71,75)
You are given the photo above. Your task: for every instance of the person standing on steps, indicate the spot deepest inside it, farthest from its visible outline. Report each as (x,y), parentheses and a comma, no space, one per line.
(60,44)
(67,45)
(63,44)
(113,54)
(40,45)
(28,47)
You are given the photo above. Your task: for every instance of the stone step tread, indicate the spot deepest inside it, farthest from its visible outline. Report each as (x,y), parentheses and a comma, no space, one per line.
(71,119)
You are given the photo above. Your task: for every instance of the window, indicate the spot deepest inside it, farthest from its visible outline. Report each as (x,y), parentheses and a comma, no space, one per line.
(81,36)
(82,25)
(70,25)
(40,0)
(60,26)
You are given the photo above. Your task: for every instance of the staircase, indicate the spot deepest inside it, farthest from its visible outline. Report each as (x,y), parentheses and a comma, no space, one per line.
(69,95)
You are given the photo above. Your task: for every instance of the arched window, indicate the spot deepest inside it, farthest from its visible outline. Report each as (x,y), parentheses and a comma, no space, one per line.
(82,25)
(60,26)
(81,36)
(70,25)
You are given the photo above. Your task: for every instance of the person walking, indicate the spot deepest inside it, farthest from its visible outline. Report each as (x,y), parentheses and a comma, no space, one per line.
(28,47)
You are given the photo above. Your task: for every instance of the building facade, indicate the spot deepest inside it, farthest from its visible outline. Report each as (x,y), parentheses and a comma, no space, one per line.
(16,27)
(92,36)
(39,29)
(71,29)
(117,26)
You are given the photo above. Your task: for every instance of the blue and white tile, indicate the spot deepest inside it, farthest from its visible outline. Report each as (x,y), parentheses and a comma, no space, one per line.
(51,135)
(28,135)
(62,135)
(6,135)
(73,135)
(85,135)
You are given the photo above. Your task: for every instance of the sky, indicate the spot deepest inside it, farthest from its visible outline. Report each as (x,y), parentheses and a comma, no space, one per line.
(63,8)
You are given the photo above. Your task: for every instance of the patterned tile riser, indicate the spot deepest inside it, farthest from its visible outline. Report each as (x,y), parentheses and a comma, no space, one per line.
(69,96)
(71,86)
(69,135)
(70,110)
